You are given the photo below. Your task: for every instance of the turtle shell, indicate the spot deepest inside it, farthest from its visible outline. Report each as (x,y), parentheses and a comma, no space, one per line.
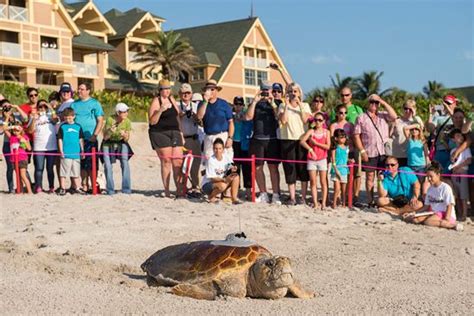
(199,261)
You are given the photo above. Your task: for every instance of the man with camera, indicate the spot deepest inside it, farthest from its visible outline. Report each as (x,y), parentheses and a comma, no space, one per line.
(398,189)
(189,125)
(263,111)
(217,118)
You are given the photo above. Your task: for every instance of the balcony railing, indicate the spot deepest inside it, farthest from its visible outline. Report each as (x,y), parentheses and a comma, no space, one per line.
(11,12)
(85,70)
(8,49)
(249,61)
(262,63)
(50,55)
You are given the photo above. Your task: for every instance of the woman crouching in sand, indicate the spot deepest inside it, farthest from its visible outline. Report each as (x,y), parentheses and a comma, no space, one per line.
(438,210)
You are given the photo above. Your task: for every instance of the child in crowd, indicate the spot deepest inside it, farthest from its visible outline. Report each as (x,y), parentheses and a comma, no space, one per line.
(339,171)
(42,126)
(71,147)
(461,166)
(417,153)
(317,140)
(221,174)
(439,203)
(20,142)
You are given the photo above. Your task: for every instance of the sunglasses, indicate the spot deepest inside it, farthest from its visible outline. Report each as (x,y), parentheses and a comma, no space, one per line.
(294,91)
(276,91)
(390,164)
(211,89)
(239,104)
(33,95)
(42,106)
(407,109)
(318,101)
(319,120)
(342,112)
(345,95)
(374,102)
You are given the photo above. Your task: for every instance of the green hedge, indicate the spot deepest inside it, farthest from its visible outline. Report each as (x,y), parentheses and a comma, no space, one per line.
(16,93)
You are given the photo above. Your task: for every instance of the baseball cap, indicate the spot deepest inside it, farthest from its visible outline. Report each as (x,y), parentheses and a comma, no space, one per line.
(450,99)
(186,87)
(197,97)
(121,107)
(65,87)
(277,86)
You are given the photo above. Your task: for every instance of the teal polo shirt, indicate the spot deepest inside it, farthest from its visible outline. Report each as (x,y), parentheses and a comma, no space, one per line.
(401,184)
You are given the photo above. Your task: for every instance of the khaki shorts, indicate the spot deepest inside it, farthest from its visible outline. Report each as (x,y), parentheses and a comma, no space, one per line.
(70,168)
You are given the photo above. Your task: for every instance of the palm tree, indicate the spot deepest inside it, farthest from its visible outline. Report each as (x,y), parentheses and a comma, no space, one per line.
(170,54)
(369,83)
(341,83)
(433,90)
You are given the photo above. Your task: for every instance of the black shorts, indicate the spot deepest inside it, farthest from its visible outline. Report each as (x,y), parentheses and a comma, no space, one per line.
(354,155)
(269,148)
(376,162)
(165,139)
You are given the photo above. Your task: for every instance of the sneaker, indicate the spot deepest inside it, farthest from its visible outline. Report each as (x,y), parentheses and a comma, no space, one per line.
(38,190)
(262,198)
(459,227)
(276,199)
(62,192)
(51,191)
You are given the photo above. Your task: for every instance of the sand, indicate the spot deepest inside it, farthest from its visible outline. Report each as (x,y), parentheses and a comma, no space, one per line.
(82,254)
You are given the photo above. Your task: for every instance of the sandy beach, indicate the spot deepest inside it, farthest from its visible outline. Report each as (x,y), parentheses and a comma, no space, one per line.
(82,254)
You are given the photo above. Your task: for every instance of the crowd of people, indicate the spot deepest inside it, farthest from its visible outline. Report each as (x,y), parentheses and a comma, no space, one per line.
(416,177)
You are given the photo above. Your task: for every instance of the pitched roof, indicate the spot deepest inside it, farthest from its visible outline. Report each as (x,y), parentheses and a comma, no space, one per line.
(124,22)
(85,40)
(218,43)
(75,7)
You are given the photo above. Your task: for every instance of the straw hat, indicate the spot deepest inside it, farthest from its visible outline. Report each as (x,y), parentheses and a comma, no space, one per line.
(211,84)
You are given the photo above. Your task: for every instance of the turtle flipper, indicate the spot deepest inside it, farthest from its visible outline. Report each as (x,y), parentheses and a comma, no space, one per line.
(298,291)
(200,291)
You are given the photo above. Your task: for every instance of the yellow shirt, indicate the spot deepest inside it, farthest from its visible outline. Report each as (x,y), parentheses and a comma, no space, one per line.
(295,127)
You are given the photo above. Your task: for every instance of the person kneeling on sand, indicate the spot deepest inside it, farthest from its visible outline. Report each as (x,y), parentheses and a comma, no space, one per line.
(221,174)
(398,189)
(439,203)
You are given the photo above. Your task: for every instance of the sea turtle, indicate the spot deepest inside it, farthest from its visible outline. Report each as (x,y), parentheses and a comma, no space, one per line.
(231,267)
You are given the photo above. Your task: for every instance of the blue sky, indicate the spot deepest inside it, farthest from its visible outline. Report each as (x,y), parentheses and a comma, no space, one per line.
(412,41)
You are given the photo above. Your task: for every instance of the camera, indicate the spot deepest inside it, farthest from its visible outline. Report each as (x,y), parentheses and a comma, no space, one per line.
(6,108)
(189,113)
(264,94)
(229,170)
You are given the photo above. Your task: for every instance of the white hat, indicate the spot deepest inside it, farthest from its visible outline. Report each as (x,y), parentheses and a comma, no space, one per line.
(121,107)
(186,87)
(197,97)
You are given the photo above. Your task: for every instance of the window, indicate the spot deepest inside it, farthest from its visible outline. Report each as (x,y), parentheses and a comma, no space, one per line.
(249,52)
(9,37)
(49,42)
(261,54)
(261,76)
(198,74)
(248,100)
(8,73)
(250,77)
(137,74)
(48,77)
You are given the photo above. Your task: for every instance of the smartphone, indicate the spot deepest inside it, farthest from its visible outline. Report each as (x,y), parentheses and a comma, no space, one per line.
(438,107)
(264,94)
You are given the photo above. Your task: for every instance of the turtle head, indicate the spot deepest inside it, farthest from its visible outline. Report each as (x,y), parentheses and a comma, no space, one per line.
(270,277)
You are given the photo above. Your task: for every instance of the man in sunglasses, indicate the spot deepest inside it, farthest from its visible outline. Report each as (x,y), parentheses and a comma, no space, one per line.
(370,137)
(353,110)
(30,108)
(263,112)
(216,115)
(398,189)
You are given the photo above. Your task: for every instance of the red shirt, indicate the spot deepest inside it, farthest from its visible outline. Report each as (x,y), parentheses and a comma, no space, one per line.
(27,108)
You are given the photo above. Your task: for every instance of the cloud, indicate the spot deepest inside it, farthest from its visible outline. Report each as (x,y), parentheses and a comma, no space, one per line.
(326,59)
(469,55)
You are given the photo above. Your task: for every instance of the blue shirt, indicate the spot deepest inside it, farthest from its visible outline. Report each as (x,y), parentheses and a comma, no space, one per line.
(217,116)
(342,155)
(401,184)
(415,153)
(87,113)
(71,134)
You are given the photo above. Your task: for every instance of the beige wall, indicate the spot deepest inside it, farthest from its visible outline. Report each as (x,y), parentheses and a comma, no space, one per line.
(120,51)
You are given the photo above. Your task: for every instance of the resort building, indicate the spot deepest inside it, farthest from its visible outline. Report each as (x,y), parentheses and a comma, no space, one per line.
(46,42)
(236,54)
